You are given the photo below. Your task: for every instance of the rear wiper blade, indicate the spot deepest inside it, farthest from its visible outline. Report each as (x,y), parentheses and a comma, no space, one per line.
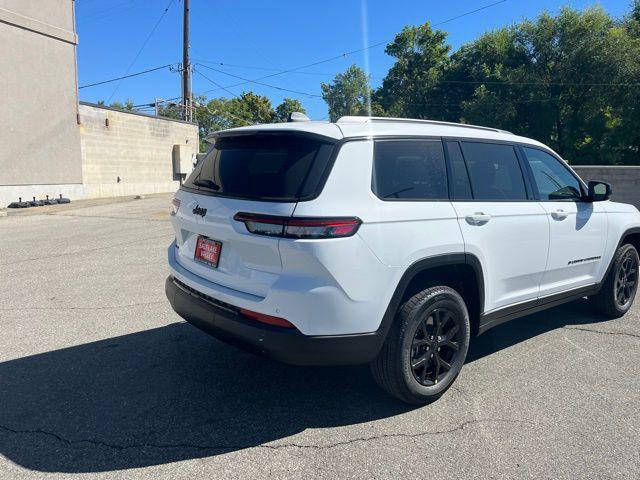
(206,183)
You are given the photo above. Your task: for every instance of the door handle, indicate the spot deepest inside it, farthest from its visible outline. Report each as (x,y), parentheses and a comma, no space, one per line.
(478,218)
(559,214)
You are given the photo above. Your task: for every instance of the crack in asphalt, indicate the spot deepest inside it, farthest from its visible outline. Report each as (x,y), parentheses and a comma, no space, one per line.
(195,446)
(625,334)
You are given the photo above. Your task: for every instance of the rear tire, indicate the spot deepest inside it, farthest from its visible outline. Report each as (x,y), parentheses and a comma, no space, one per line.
(425,348)
(621,284)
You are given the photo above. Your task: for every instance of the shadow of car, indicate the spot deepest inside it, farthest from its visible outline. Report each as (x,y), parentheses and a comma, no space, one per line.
(173,393)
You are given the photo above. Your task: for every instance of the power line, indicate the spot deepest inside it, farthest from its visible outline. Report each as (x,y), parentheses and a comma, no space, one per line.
(248,122)
(471,12)
(463,82)
(476,82)
(159,100)
(542,84)
(126,76)
(244,38)
(452,104)
(234,65)
(346,54)
(215,83)
(258,82)
(144,44)
(255,67)
(196,104)
(107,12)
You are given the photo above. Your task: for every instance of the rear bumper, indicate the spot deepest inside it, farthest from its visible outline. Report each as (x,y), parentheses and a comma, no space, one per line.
(286,345)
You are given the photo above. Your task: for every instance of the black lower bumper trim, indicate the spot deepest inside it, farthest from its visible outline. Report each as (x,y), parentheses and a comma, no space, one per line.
(283,344)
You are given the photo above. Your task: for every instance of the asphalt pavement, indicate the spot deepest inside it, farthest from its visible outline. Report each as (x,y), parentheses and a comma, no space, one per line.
(99,378)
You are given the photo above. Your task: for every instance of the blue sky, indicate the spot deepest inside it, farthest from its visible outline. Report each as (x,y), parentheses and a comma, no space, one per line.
(256,38)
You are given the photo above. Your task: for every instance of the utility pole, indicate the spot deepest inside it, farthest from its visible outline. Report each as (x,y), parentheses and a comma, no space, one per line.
(186,64)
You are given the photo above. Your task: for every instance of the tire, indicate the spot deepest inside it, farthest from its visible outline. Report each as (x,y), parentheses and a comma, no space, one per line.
(413,338)
(621,284)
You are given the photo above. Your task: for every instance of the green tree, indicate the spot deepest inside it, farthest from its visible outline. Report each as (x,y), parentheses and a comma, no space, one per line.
(569,80)
(349,94)
(624,131)
(634,16)
(221,113)
(551,79)
(493,58)
(288,106)
(411,87)
(127,105)
(251,108)
(172,110)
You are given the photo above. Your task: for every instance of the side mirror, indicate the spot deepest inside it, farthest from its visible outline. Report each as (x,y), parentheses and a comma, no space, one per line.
(599,191)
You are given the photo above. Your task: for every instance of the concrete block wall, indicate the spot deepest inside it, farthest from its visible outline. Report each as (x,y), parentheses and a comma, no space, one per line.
(137,149)
(624,180)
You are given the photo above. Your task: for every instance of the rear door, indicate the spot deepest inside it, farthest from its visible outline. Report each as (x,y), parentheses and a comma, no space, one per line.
(502,225)
(411,217)
(578,228)
(258,173)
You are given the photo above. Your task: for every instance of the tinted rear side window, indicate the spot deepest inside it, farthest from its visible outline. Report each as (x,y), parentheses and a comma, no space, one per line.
(494,171)
(263,167)
(459,176)
(409,170)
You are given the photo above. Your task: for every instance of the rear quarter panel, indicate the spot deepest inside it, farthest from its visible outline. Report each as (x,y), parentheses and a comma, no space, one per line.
(398,232)
(393,234)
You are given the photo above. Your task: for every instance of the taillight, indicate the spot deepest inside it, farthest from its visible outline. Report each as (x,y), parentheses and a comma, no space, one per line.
(268,319)
(175,205)
(262,224)
(292,227)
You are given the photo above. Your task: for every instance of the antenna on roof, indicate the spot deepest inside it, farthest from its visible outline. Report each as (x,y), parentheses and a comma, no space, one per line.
(298,117)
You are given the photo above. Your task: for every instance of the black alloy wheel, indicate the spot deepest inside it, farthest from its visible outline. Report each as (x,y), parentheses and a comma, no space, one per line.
(426,346)
(626,281)
(435,346)
(619,287)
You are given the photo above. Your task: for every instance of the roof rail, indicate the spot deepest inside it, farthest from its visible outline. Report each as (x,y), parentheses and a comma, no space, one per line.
(358,119)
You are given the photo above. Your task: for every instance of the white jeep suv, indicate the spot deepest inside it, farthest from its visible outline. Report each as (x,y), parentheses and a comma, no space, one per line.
(390,242)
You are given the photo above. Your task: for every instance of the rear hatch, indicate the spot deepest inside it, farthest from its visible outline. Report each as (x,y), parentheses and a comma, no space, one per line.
(261,173)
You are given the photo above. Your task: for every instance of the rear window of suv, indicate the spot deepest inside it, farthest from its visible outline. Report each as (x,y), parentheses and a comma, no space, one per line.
(275,167)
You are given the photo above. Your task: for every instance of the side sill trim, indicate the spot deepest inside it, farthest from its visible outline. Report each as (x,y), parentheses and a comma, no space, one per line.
(490,320)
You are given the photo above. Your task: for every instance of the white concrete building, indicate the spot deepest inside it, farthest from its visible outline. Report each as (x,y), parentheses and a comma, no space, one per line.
(49,143)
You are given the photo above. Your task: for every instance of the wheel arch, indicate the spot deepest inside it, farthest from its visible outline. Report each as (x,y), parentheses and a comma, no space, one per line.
(630,235)
(461,271)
